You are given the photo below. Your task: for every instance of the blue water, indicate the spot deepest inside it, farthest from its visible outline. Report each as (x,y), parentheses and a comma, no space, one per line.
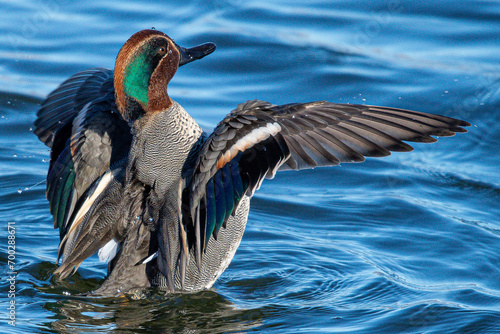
(404,244)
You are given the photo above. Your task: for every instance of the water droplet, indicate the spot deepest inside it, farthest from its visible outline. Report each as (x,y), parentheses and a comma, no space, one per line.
(44,160)
(150,219)
(446,92)
(31,129)
(66,293)
(15,155)
(19,191)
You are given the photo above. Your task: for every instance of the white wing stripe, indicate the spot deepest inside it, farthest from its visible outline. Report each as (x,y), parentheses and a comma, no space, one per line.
(103,183)
(254,137)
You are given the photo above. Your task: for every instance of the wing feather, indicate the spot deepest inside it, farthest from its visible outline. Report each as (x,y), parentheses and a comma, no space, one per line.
(64,103)
(258,138)
(79,121)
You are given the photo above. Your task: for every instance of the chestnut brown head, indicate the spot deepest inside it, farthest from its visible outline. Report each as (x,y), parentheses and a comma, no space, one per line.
(144,66)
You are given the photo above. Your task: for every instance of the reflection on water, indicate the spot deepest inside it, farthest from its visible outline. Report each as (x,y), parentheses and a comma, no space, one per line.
(185,313)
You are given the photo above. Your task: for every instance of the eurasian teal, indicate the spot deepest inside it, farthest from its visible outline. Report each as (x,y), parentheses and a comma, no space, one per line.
(133,177)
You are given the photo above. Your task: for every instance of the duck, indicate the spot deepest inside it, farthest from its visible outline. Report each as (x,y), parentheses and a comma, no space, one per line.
(134,178)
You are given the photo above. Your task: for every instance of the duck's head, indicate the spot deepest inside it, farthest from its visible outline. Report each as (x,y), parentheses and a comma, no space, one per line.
(144,66)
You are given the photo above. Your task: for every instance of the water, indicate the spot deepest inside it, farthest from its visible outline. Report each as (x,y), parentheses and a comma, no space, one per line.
(404,244)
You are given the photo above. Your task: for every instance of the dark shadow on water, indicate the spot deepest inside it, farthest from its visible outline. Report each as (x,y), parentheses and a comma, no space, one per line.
(206,312)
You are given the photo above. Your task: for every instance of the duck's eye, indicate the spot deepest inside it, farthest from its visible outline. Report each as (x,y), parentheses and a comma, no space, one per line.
(162,50)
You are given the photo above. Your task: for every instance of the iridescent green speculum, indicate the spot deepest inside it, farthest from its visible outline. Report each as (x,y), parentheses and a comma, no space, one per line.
(136,78)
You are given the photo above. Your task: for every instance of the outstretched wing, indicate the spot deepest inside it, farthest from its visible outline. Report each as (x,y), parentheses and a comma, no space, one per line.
(80,123)
(258,138)
(64,103)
